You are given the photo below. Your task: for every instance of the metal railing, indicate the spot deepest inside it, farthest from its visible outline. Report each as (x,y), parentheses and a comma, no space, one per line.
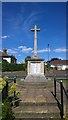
(61,101)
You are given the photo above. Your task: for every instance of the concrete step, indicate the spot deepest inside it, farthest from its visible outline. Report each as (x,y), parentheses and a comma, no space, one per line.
(34,103)
(36,110)
(36,115)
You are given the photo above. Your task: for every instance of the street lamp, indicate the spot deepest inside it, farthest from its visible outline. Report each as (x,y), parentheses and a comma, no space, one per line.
(48,58)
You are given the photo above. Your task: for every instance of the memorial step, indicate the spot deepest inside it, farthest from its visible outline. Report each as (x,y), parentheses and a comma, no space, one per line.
(38,119)
(34,103)
(35,78)
(35,111)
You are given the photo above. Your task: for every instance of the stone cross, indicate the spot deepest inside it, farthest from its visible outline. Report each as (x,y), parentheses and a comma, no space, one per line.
(35,30)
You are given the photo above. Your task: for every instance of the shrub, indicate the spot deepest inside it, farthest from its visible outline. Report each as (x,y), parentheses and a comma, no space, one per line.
(13,67)
(7,113)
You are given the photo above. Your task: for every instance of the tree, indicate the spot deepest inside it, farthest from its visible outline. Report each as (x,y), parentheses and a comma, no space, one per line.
(26,60)
(55,59)
(47,67)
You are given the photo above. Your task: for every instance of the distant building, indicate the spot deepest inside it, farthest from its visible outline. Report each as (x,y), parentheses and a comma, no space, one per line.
(59,64)
(8,58)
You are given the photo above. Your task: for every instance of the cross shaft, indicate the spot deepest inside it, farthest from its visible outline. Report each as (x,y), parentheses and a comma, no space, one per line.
(35,30)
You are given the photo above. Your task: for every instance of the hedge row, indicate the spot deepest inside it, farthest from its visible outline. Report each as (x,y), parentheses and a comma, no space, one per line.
(12,67)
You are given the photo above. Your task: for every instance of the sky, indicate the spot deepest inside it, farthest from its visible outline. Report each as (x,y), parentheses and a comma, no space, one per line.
(18,18)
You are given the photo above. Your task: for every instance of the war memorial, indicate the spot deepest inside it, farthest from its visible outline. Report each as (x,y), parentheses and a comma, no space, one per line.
(35,68)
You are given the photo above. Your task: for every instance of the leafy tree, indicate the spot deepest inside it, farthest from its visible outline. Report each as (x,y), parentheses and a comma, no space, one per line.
(26,60)
(47,67)
(55,59)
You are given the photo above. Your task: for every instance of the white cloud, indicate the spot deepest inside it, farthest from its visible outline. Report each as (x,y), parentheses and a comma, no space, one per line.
(21,47)
(30,20)
(61,50)
(4,37)
(12,51)
(25,49)
(43,50)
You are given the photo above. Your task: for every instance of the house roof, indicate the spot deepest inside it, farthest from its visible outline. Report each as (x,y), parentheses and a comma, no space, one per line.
(4,54)
(59,62)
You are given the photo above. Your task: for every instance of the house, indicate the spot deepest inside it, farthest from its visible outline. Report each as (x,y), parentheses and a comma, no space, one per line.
(59,64)
(8,58)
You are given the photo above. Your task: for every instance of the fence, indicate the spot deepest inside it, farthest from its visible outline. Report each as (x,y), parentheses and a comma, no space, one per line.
(61,101)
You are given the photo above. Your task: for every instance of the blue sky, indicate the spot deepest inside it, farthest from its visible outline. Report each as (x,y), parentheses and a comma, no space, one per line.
(19,18)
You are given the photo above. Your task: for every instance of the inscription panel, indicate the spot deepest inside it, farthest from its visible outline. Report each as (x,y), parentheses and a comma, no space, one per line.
(35,68)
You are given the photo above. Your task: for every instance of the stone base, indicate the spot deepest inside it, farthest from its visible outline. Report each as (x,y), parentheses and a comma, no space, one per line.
(35,78)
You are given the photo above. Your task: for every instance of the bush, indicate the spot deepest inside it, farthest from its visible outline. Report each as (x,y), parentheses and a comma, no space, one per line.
(6,111)
(13,67)
(47,67)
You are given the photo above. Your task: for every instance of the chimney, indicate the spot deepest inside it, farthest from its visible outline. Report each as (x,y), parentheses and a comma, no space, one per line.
(5,51)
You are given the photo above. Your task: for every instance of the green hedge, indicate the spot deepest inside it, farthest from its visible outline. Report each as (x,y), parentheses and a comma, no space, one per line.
(13,67)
